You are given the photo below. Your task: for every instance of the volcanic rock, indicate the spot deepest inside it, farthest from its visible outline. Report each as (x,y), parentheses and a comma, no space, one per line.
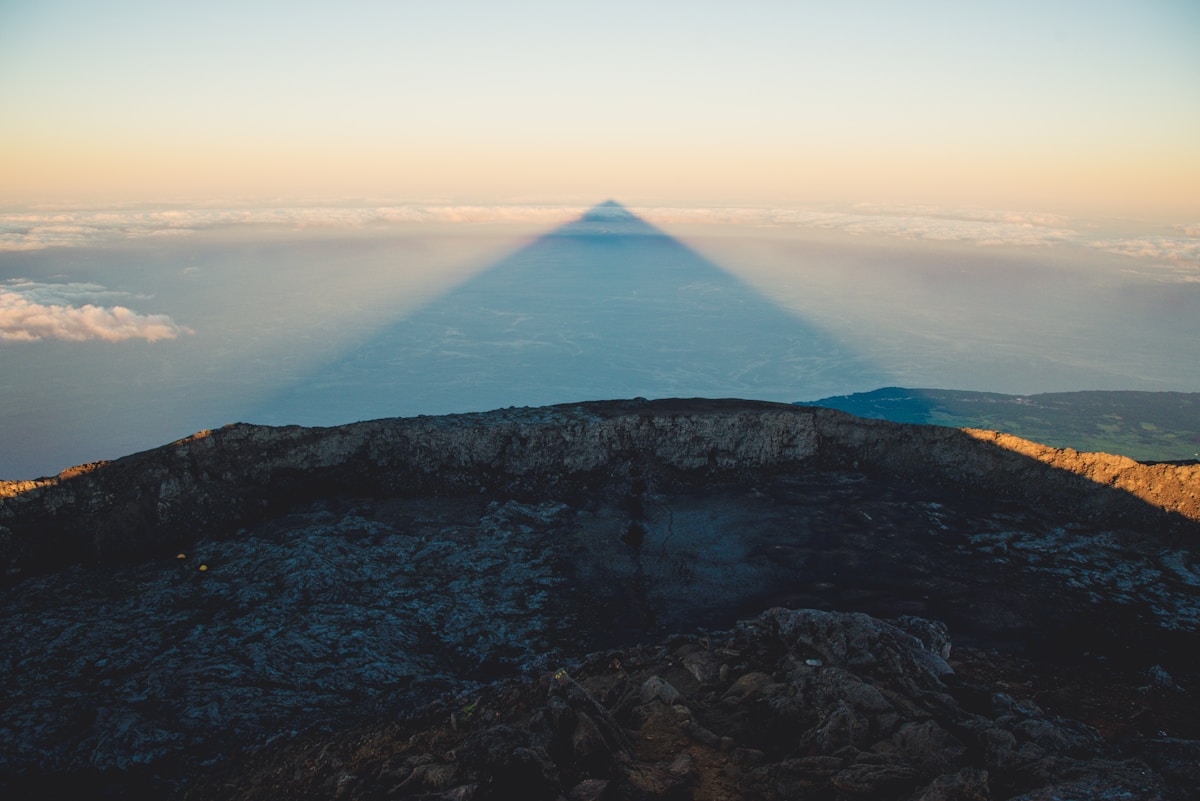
(454,607)
(910,738)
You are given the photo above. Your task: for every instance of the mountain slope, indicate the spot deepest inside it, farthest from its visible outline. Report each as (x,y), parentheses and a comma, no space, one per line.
(1148,426)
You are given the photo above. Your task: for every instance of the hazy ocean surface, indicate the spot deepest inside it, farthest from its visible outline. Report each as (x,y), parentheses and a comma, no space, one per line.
(330,325)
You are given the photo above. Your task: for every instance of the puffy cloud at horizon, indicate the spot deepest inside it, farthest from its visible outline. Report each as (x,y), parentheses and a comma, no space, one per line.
(1165,258)
(1042,219)
(31,311)
(978,227)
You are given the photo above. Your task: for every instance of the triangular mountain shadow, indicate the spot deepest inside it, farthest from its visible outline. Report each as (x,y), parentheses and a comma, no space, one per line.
(609,218)
(606,306)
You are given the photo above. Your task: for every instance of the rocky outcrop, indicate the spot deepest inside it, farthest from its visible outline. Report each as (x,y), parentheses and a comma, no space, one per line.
(218,481)
(1009,466)
(1164,486)
(790,704)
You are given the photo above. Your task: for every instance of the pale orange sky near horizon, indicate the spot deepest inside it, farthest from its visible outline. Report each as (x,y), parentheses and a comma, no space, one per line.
(1079,108)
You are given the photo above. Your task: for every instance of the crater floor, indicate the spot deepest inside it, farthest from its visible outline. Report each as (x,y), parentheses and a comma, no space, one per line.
(349,609)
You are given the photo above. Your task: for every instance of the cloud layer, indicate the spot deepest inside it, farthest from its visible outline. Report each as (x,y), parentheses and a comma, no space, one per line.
(34,230)
(1165,248)
(31,311)
(976,227)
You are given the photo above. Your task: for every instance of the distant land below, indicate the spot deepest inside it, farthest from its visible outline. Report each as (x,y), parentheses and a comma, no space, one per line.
(1146,426)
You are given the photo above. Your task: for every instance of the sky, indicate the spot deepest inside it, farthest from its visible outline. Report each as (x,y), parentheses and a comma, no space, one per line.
(207,209)
(1066,107)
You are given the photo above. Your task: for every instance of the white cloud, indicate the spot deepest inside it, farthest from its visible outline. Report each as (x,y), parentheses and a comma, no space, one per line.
(1041,219)
(23,231)
(31,311)
(1165,248)
(1165,258)
(70,293)
(977,227)
(32,230)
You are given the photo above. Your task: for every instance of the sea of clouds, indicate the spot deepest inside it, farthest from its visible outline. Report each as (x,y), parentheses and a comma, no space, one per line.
(37,229)
(123,328)
(74,311)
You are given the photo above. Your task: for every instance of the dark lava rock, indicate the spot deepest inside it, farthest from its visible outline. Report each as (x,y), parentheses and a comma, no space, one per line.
(901,733)
(335,612)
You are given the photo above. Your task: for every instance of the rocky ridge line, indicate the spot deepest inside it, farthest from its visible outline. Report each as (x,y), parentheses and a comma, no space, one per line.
(215,482)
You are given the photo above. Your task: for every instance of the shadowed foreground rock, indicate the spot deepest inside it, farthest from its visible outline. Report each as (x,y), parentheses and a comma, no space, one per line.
(792,704)
(261,612)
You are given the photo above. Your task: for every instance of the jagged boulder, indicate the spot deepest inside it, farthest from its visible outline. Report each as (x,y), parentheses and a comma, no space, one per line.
(876,720)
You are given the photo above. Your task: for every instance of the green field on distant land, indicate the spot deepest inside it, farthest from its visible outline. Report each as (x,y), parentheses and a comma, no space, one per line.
(1147,426)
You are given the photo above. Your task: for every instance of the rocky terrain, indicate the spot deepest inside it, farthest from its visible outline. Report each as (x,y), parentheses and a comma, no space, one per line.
(550,598)
(791,704)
